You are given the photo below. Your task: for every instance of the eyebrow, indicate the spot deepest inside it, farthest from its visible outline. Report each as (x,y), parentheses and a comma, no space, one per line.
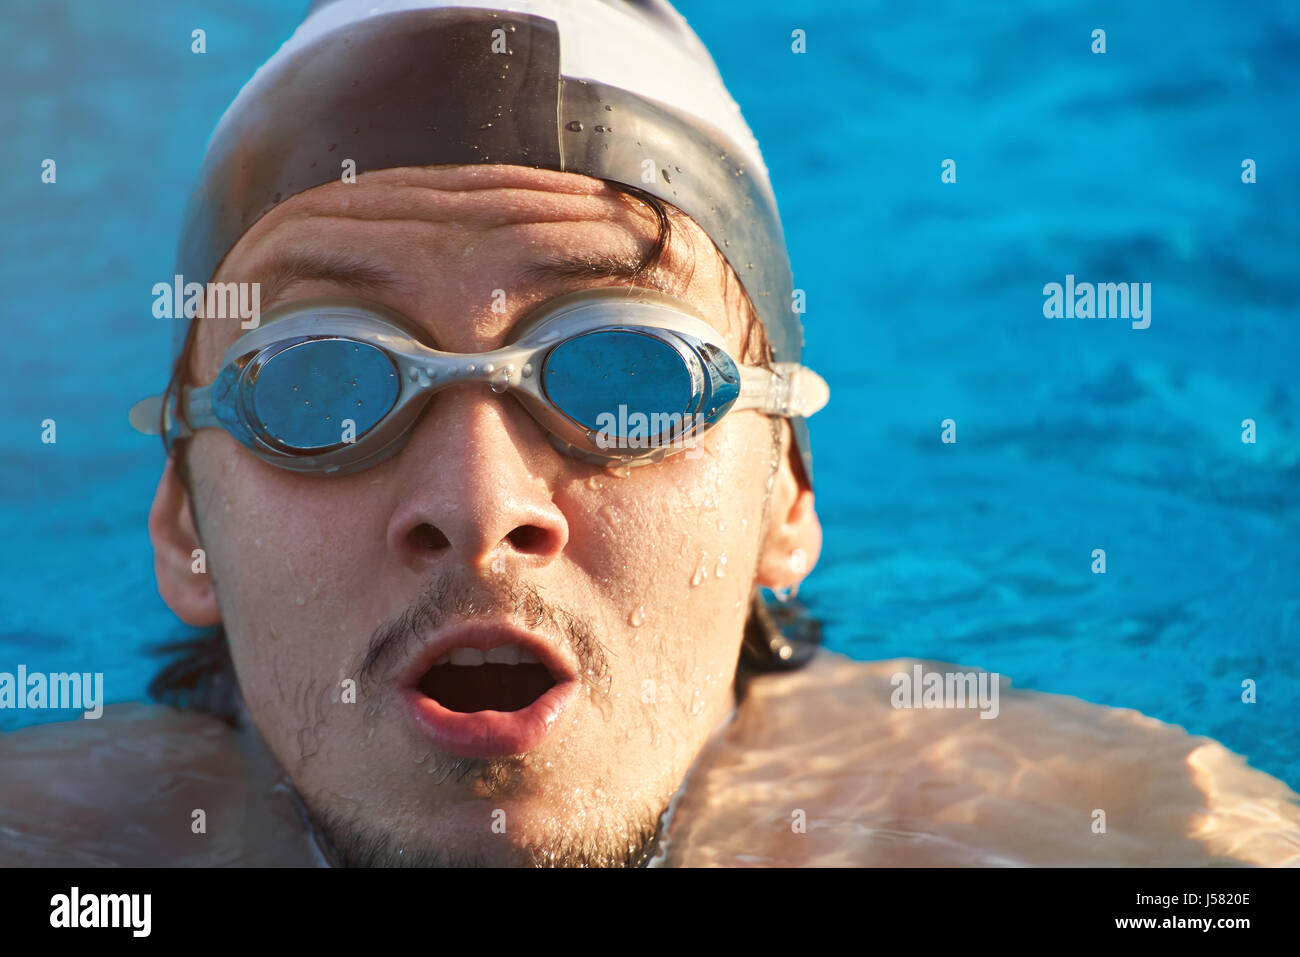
(586,267)
(348,269)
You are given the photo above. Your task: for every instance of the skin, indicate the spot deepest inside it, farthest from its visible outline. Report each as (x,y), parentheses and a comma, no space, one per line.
(304,570)
(877,786)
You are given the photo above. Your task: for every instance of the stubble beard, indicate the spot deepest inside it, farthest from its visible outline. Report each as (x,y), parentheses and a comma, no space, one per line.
(346,839)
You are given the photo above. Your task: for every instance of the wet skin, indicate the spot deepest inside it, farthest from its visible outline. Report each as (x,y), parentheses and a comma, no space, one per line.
(877,786)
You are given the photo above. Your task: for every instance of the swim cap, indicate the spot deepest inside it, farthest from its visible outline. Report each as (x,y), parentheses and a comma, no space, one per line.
(620,90)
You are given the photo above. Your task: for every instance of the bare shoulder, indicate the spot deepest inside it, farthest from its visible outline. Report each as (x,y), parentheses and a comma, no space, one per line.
(1051,780)
(142,785)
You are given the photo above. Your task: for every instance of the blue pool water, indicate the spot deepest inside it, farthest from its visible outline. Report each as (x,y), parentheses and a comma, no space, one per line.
(924,304)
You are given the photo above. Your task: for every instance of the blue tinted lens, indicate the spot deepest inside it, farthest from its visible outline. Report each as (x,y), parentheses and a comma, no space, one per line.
(304,395)
(589,377)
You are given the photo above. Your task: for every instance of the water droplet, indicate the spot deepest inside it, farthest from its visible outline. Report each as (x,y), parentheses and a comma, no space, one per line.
(528,368)
(722,566)
(698,576)
(470,367)
(637,618)
(781,594)
(573,126)
(593,483)
(500,380)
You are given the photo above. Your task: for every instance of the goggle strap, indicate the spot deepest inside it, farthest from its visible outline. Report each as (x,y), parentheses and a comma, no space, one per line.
(144,415)
(788,390)
(198,409)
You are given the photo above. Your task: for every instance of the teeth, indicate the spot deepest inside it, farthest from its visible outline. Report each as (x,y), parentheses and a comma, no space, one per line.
(503,655)
(511,654)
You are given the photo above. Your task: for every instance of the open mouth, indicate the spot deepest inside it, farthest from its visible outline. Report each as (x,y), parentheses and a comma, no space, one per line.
(506,678)
(491,690)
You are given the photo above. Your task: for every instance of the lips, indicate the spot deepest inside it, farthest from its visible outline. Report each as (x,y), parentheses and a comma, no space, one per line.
(480,691)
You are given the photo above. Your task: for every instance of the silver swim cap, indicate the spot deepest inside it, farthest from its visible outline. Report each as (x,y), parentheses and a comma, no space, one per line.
(620,90)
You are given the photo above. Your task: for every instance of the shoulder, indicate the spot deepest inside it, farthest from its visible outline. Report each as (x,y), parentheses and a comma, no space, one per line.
(1051,780)
(121,789)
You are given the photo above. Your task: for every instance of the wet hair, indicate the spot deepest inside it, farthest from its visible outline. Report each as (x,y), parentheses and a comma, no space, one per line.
(200,676)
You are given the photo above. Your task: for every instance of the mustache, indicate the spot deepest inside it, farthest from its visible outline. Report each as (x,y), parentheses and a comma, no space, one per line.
(458,595)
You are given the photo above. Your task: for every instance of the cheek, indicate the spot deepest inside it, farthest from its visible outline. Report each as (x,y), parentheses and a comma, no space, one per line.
(671,548)
(286,539)
(283,555)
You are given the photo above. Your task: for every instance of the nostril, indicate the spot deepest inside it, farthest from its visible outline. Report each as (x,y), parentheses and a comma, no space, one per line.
(426,536)
(528,538)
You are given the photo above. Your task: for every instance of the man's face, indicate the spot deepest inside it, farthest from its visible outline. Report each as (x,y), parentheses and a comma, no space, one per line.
(637,580)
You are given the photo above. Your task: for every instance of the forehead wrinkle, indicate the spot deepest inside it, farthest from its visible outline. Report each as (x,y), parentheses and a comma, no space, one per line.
(422,204)
(391,204)
(315,218)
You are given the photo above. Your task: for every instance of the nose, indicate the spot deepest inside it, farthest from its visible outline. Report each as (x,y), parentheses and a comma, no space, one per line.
(477,470)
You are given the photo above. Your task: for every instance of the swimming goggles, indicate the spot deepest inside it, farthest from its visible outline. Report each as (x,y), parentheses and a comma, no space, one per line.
(613,375)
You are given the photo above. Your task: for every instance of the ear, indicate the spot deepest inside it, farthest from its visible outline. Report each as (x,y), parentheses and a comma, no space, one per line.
(190,594)
(794,533)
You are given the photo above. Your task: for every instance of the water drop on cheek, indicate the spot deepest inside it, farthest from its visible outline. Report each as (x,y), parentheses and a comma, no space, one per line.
(637,618)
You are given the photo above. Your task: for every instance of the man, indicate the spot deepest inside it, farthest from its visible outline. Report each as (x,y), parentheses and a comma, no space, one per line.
(460,629)
(382,595)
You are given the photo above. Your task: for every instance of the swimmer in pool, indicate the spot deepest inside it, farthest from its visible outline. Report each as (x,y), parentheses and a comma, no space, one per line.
(479,507)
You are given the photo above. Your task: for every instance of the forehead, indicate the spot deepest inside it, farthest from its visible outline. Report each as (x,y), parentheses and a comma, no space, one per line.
(457,237)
